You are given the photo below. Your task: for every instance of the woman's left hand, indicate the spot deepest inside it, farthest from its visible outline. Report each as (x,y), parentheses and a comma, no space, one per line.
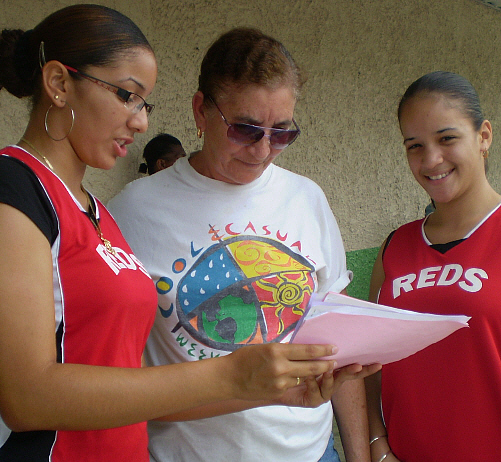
(314,391)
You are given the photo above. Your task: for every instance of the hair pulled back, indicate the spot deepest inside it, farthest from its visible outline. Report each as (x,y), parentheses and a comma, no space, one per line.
(244,56)
(77,36)
(157,148)
(451,86)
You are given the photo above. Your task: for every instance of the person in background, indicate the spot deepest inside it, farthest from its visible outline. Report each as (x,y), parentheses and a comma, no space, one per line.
(161,152)
(76,305)
(236,247)
(443,403)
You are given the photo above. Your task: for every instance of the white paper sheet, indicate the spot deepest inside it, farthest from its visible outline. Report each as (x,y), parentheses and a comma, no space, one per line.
(368,333)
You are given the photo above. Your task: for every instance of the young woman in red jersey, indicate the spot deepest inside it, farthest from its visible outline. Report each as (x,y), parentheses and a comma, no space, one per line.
(76,305)
(443,403)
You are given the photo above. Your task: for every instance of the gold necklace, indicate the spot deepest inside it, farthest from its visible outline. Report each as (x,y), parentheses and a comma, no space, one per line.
(39,153)
(92,212)
(95,222)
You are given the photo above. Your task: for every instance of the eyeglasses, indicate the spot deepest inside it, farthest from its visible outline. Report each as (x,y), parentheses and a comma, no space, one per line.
(247,134)
(132,101)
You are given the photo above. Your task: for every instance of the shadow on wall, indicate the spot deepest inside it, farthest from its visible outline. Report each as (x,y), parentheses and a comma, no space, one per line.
(361,263)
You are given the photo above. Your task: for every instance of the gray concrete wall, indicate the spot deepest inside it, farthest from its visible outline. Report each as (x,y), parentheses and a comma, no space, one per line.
(360,56)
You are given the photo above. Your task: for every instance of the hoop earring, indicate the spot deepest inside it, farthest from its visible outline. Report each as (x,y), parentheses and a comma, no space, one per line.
(199,132)
(47,127)
(485,154)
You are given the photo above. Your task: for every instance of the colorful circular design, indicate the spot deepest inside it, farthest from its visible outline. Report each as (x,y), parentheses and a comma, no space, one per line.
(244,290)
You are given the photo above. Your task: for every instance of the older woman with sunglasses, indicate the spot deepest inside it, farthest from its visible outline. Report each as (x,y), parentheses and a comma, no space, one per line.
(76,305)
(236,247)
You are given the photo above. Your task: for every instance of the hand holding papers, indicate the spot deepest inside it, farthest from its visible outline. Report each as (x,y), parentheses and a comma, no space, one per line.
(368,333)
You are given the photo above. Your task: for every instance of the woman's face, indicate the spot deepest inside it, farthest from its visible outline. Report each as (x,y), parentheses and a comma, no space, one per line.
(224,160)
(103,125)
(444,151)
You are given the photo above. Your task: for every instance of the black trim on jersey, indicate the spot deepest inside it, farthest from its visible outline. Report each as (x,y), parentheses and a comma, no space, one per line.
(59,341)
(442,248)
(33,446)
(387,242)
(21,189)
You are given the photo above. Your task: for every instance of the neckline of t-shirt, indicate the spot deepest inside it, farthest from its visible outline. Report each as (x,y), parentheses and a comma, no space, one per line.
(209,184)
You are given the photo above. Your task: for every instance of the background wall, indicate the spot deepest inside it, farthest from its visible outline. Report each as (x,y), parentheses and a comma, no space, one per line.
(360,55)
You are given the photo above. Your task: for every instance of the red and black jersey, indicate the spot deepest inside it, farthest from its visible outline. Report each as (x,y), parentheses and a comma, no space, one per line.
(104,306)
(444,402)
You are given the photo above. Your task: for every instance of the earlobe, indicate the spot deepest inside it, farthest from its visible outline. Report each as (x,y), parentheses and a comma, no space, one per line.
(55,82)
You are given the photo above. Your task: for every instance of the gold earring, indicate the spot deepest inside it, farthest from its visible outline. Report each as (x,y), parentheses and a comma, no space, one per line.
(199,132)
(485,154)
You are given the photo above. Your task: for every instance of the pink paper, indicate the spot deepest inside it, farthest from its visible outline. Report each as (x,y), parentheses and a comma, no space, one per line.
(364,339)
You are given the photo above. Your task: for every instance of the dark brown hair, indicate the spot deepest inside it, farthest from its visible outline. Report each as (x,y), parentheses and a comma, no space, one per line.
(450,85)
(160,146)
(77,36)
(246,56)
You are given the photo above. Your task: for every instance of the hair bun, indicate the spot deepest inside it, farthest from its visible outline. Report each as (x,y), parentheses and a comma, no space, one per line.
(16,74)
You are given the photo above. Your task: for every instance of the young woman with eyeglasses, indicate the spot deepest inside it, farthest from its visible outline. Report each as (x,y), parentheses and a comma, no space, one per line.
(236,247)
(76,305)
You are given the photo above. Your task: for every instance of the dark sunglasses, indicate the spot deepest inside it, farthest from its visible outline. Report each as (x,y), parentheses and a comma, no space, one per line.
(132,101)
(247,134)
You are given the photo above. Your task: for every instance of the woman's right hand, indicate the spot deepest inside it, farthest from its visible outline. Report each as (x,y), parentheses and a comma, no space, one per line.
(266,372)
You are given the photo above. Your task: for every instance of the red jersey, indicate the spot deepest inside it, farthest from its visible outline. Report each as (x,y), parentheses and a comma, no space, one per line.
(104,309)
(444,402)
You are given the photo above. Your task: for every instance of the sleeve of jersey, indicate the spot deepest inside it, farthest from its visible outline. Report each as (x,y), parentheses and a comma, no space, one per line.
(21,189)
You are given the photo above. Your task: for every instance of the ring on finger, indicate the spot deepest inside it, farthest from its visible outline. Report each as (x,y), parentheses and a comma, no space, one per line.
(298,381)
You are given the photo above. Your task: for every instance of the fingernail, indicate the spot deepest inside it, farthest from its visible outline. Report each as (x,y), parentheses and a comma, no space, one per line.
(334,349)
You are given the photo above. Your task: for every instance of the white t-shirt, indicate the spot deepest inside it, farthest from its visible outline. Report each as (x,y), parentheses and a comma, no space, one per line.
(233,265)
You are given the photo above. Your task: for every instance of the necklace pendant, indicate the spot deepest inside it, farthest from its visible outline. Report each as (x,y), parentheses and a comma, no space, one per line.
(108,245)
(95,223)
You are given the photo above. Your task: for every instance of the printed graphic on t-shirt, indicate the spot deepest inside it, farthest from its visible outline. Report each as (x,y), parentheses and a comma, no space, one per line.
(243,290)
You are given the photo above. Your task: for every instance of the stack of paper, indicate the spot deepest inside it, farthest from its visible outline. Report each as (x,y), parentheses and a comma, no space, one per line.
(368,333)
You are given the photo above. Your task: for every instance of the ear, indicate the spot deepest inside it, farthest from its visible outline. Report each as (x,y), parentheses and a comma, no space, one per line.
(56,82)
(199,110)
(485,134)
(160,165)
